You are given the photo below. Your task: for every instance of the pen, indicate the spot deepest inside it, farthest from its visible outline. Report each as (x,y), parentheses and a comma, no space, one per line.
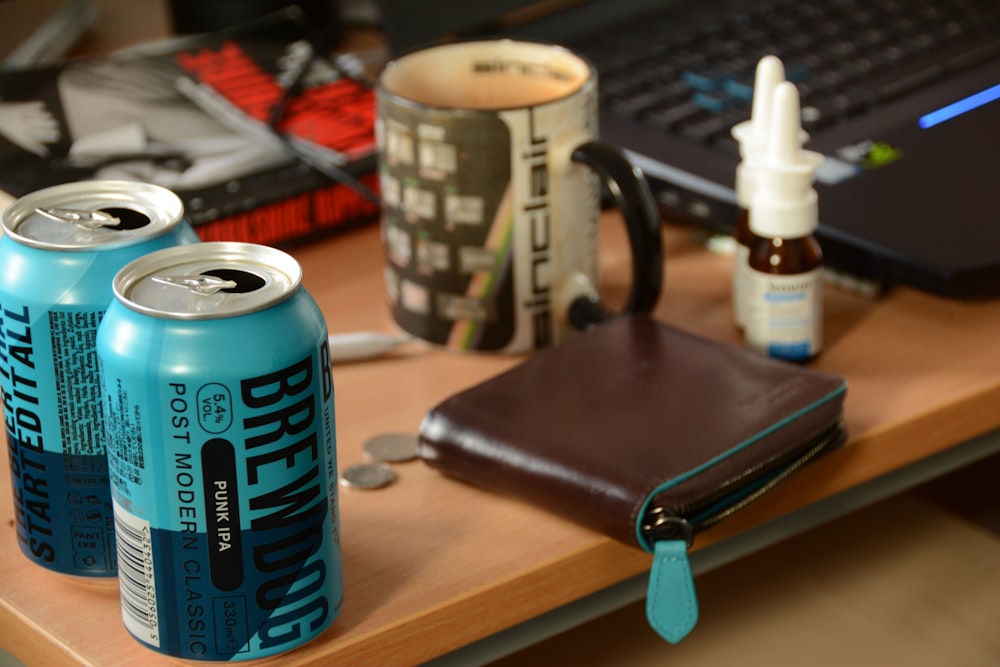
(360,345)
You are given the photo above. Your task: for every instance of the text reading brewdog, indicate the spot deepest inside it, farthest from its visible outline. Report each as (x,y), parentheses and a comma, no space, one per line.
(222,453)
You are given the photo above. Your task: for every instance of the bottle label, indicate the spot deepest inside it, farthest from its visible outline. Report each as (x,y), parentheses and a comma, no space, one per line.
(785,317)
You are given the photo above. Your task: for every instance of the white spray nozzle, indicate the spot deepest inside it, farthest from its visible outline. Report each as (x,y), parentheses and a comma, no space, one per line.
(785,124)
(784,201)
(784,150)
(752,134)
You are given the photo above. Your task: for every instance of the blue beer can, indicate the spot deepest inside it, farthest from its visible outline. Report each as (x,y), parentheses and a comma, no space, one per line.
(59,252)
(219,407)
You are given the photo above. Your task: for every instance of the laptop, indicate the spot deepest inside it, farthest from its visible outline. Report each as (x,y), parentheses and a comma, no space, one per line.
(902,97)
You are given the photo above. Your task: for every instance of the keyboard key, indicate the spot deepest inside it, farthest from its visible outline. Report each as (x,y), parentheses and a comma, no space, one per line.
(797,72)
(635,104)
(814,118)
(687,59)
(843,104)
(706,129)
(625,82)
(812,88)
(740,87)
(705,80)
(655,70)
(668,117)
(716,101)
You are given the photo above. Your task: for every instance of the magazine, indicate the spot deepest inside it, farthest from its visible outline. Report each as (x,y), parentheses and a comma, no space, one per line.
(262,138)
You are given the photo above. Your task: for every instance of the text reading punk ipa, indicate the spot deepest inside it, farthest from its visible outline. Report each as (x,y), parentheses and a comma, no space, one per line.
(218,402)
(59,252)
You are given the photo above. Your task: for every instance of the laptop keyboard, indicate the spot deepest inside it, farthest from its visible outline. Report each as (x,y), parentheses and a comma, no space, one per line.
(845,56)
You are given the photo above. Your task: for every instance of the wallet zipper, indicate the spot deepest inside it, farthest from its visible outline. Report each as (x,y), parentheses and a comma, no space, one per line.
(684,521)
(671,602)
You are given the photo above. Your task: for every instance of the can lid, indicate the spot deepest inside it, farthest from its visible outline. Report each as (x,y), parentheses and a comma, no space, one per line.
(88,214)
(207,281)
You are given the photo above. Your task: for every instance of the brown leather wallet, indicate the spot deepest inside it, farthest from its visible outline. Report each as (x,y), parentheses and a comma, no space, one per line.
(644,432)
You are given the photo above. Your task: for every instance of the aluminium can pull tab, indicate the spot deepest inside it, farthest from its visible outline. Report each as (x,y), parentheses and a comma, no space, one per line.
(83,219)
(197,284)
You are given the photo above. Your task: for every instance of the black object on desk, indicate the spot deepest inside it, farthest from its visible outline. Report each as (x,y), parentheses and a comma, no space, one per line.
(197,16)
(900,201)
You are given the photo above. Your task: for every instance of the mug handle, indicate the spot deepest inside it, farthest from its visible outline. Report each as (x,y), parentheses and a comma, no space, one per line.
(634,198)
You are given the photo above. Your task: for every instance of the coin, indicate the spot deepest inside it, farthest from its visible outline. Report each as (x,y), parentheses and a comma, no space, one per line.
(391,447)
(367,476)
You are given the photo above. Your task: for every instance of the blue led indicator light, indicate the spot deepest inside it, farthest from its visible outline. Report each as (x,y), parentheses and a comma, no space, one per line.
(960,107)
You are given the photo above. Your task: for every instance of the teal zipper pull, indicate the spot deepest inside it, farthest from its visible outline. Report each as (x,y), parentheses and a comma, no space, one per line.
(667,531)
(671,601)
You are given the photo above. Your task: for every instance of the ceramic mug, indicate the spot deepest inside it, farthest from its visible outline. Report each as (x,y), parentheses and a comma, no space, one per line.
(490,174)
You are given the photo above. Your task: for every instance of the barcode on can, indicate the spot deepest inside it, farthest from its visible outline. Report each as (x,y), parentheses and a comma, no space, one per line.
(136,576)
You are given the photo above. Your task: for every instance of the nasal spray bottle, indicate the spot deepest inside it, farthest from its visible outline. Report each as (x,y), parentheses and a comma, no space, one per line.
(785,316)
(751,135)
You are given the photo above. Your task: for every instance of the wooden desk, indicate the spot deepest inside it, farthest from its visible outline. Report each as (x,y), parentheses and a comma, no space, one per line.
(433,565)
